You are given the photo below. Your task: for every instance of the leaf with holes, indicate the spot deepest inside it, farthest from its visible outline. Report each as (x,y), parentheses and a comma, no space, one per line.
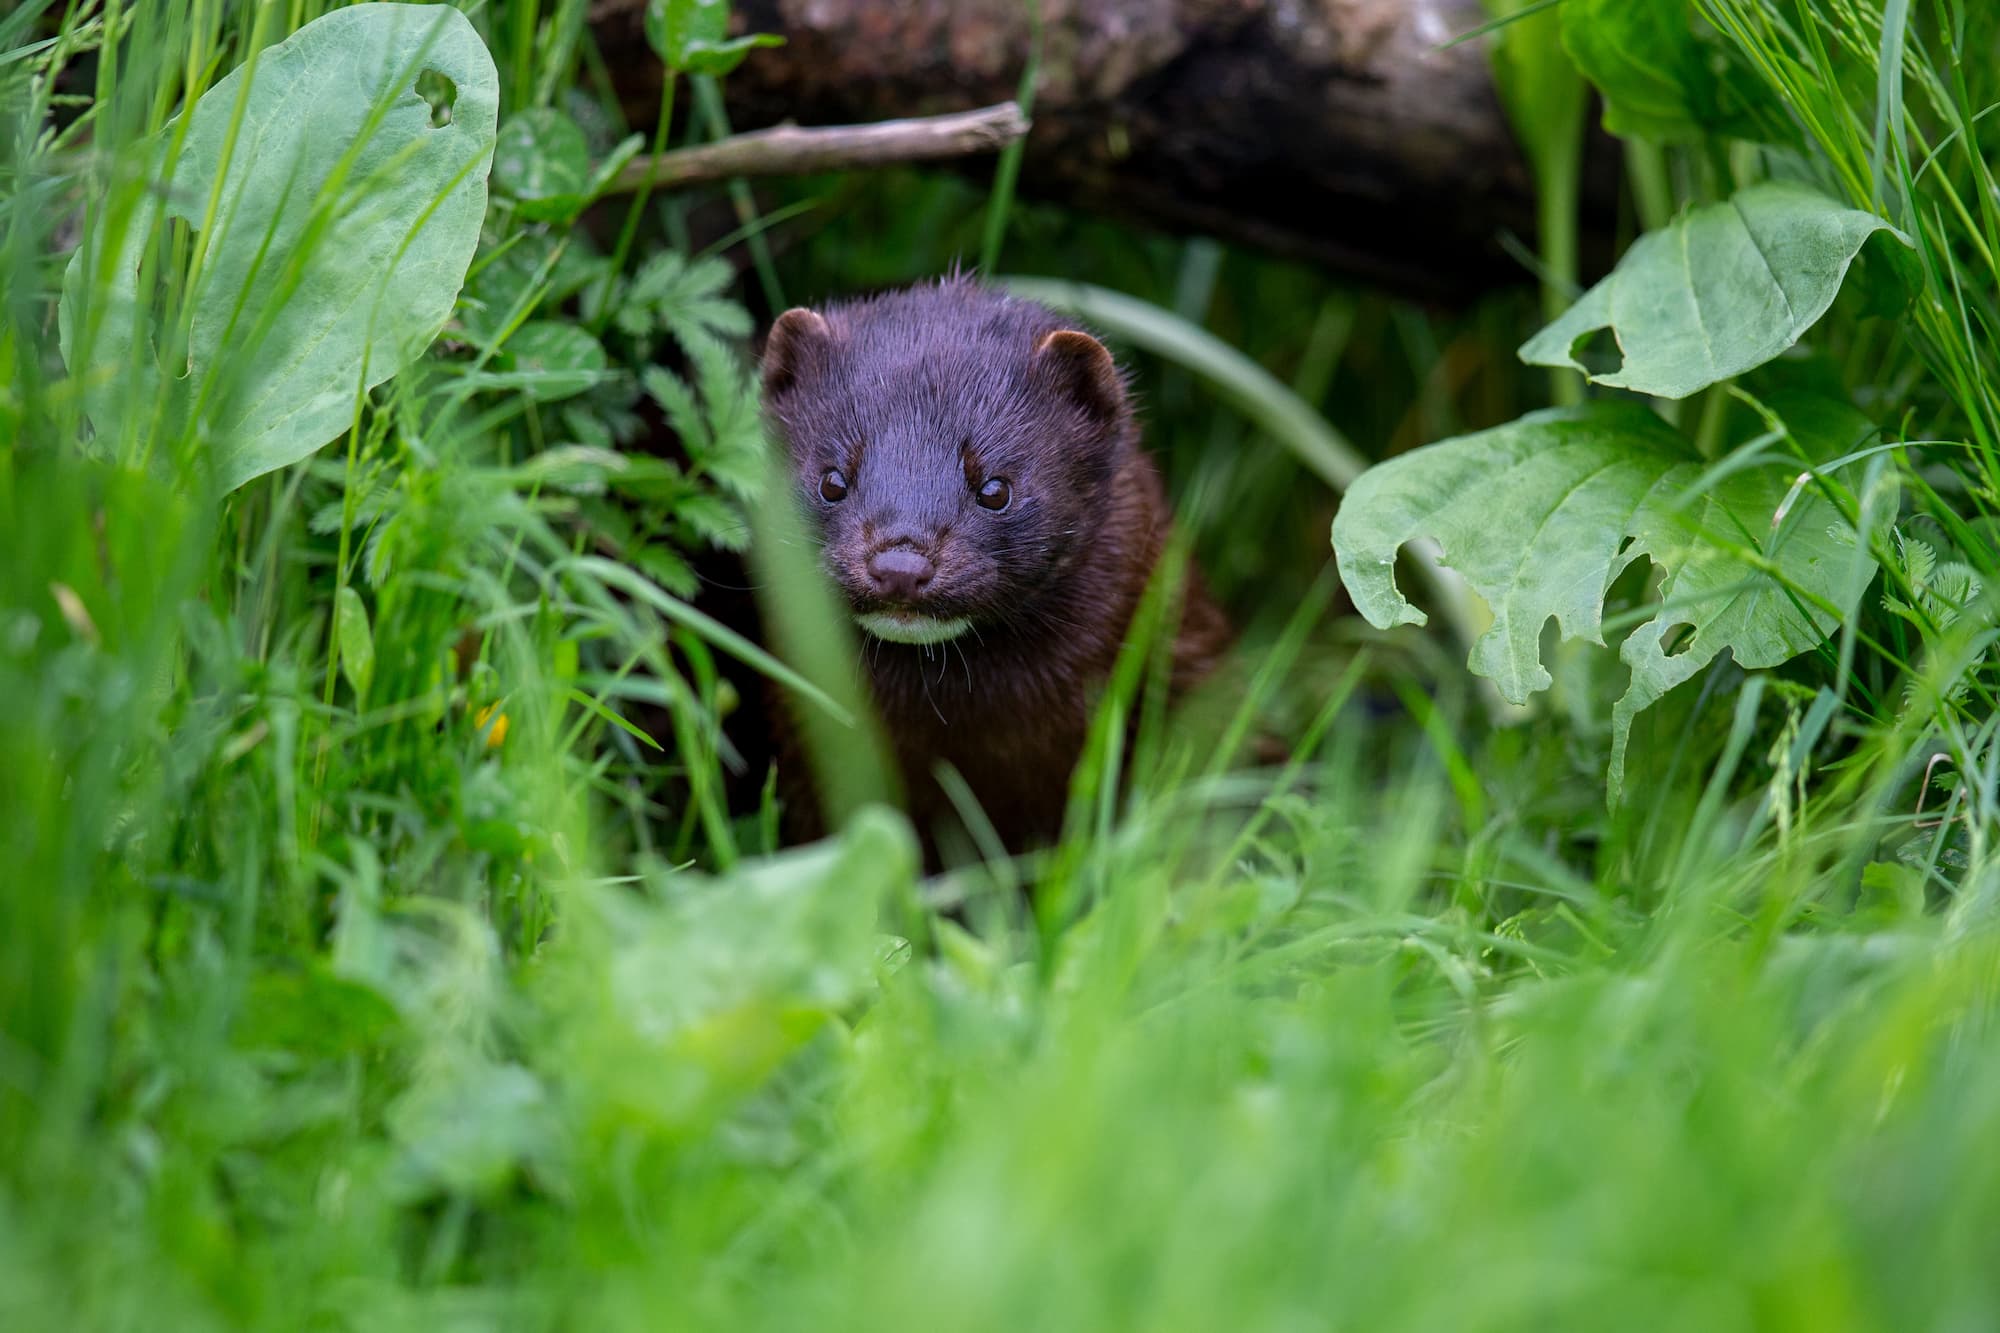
(342,227)
(1721,291)
(1536,516)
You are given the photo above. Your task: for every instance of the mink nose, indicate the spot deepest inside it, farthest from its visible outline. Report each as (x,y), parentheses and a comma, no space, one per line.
(900,572)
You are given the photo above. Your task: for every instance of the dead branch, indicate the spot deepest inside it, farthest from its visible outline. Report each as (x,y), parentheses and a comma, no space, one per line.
(790,150)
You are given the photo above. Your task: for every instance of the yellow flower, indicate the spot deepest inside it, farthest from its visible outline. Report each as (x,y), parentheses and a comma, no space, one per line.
(499,731)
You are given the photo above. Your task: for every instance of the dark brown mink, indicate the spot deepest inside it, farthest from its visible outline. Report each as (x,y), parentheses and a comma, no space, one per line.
(973,469)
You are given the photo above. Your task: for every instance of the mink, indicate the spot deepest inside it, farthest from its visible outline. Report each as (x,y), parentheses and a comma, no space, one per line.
(971,464)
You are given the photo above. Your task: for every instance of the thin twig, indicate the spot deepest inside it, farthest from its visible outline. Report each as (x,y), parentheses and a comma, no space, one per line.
(791,150)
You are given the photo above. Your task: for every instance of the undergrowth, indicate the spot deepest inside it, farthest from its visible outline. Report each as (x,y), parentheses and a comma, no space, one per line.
(395,935)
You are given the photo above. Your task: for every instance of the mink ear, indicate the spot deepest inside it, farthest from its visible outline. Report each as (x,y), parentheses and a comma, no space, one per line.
(798,343)
(1077,366)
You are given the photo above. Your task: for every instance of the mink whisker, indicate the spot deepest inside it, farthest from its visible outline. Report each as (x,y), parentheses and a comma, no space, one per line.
(925,681)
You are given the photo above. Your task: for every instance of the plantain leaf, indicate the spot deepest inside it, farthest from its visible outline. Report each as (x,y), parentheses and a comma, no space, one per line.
(1720,291)
(342,228)
(1542,514)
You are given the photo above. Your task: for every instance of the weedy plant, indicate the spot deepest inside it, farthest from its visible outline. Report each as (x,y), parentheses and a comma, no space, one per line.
(381,949)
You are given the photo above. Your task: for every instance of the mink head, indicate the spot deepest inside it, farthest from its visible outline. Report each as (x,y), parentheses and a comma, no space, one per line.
(955,448)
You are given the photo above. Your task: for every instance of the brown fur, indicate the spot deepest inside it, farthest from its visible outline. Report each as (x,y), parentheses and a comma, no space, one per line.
(917,398)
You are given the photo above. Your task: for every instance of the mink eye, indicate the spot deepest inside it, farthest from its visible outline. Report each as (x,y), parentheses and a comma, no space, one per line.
(995,494)
(833,486)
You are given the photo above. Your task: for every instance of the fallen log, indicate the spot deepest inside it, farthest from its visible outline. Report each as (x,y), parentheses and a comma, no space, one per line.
(1345,132)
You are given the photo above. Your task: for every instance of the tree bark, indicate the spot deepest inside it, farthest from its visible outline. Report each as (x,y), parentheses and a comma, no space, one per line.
(1339,131)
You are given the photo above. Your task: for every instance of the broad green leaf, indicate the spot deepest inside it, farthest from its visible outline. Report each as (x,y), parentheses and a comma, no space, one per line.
(1659,81)
(693,36)
(1721,291)
(353,640)
(550,360)
(344,222)
(542,163)
(1536,516)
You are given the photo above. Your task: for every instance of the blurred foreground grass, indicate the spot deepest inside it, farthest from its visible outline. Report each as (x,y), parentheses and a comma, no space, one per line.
(324,1003)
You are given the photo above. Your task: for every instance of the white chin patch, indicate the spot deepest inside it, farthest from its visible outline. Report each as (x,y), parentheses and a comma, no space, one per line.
(908,627)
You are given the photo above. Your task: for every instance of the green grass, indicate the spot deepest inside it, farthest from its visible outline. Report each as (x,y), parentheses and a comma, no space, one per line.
(324,1003)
